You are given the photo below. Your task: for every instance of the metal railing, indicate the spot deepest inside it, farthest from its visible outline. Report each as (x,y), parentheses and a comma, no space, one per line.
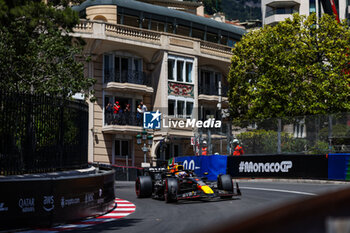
(127,76)
(210,90)
(123,118)
(39,133)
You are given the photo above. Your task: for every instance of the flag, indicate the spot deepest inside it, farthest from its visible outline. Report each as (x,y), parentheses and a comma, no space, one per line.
(171,161)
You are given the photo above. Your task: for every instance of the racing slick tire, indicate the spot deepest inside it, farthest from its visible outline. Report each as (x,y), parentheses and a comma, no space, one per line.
(143,186)
(170,191)
(225,183)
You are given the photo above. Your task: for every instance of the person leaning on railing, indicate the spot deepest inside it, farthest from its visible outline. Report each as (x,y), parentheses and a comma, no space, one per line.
(127,114)
(117,113)
(109,113)
(139,115)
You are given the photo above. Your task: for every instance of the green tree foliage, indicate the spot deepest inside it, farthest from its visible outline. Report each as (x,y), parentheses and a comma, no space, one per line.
(297,67)
(37,53)
(265,142)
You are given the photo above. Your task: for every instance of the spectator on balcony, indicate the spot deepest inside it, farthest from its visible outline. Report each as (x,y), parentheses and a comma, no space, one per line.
(144,107)
(109,113)
(117,113)
(139,114)
(127,114)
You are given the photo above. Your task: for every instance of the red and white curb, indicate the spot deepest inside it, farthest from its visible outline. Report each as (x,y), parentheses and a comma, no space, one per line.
(123,209)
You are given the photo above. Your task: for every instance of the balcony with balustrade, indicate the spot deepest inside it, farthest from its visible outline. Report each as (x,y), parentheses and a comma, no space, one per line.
(128,81)
(209,93)
(277,11)
(132,36)
(122,122)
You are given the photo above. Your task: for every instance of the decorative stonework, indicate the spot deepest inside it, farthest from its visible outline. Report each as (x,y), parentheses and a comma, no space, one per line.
(182,43)
(180,89)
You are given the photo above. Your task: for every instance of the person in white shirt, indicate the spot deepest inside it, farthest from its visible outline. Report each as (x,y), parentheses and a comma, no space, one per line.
(144,107)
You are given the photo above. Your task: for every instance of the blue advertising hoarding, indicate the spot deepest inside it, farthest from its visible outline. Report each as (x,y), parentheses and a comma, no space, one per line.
(213,165)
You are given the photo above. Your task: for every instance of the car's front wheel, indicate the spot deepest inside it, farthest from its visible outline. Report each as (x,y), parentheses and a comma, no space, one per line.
(143,186)
(225,183)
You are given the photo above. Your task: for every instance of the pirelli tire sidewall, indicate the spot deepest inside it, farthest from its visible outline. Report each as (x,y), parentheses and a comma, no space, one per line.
(143,186)
(225,183)
(171,190)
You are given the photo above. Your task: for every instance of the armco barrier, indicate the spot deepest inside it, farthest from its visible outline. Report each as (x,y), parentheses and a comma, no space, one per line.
(279,166)
(339,166)
(52,199)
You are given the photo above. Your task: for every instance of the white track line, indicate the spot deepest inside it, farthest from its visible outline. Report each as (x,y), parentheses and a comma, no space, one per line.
(279,190)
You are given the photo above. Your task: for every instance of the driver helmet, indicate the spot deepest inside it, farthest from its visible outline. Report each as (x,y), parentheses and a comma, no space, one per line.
(182,174)
(235,141)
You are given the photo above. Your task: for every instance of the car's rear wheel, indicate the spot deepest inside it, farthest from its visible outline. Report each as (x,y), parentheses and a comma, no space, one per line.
(143,186)
(170,191)
(225,183)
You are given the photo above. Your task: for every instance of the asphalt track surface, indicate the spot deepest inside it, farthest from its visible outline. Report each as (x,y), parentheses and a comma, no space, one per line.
(156,216)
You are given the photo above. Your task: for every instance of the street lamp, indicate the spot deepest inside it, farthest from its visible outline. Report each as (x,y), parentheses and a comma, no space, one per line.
(144,137)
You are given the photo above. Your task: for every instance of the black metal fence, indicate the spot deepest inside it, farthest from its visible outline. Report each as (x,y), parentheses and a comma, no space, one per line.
(122,173)
(39,133)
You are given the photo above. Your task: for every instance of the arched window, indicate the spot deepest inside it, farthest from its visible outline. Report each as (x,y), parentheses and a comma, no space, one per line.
(100,17)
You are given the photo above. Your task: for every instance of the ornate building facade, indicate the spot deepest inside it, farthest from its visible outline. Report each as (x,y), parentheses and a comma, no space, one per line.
(174,61)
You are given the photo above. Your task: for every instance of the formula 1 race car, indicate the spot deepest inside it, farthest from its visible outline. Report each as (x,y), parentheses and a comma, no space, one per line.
(174,183)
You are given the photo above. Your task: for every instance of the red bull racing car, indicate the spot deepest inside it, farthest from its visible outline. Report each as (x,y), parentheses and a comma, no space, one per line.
(174,183)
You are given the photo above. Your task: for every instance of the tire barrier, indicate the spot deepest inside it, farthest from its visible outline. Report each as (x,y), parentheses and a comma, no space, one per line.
(50,199)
